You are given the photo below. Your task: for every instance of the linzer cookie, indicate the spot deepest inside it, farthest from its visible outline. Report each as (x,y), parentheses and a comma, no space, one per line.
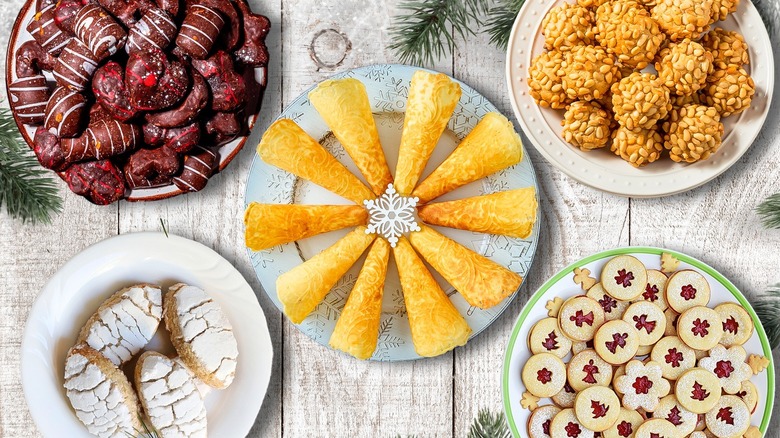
(580,317)
(729,366)
(616,342)
(729,417)
(588,369)
(565,424)
(656,428)
(643,385)
(686,289)
(700,328)
(626,425)
(737,324)
(613,309)
(29,97)
(674,357)
(749,394)
(672,411)
(98,30)
(698,390)
(648,320)
(565,397)
(544,375)
(546,337)
(540,421)
(624,277)
(655,290)
(597,408)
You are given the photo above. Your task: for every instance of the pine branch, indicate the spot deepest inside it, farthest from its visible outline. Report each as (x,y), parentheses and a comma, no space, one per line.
(500,21)
(767,307)
(489,425)
(26,190)
(769,210)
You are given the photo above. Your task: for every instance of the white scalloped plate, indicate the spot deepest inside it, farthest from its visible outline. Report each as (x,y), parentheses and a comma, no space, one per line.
(602,169)
(77,289)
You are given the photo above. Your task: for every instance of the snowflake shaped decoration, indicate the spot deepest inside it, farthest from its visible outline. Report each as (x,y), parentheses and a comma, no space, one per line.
(391,215)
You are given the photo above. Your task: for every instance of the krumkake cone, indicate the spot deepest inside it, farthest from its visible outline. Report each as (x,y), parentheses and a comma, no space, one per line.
(344,105)
(268,225)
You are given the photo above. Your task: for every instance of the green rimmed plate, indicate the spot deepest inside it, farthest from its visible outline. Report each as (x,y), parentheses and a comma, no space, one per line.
(562,285)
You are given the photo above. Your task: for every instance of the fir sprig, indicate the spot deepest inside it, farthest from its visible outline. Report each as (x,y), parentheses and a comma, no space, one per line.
(489,425)
(769,210)
(500,21)
(26,190)
(767,307)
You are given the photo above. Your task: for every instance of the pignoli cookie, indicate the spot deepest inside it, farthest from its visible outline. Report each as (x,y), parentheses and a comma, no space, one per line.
(546,337)
(540,421)
(656,428)
(626,425)
(648,320)
(729,418)
(737,324)
(580,317)
(565,424)
(624,277)
(700,328)
(616,342)
(642,386)
(655,290)
(597,408)
(729,366)
(588,369)
(613,308)
(672,411)
(544,374)
(686,289)
(697,390)
(674,357)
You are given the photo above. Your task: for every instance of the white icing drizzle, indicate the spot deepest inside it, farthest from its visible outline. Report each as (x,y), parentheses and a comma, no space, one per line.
(214,14)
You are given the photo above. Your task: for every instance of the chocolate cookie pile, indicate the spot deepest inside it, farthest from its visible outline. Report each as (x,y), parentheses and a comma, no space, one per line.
(146,90)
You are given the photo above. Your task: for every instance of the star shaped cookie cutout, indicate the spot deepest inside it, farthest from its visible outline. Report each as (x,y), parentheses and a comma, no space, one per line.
(757,363)
(669,263)
(554,306)
(583,278)
(529,401)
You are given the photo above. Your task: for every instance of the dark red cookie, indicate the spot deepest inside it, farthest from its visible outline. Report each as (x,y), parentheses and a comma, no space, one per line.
(65,112)
(28,99)
(181,139)
(151,167)
(103,139)
(228,88)
(98,30)
(31,59)
(224,127)
(75,65)
(198,167)
(199,30)
(155,30)
(48,151)
(98,181)
(188,110)
(108,86)
(253,51)
(126,11)
(234,26)
(169,6)
(43,28)
(97,114)
(65,14)
(153,82)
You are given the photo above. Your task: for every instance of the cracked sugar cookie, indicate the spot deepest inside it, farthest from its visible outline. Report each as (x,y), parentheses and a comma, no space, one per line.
(737,324)
(616,342)
(674,357)
(597,408)
(586,369)
(672,411)
(100,394)
(544,375)
(540,421)
(580,317)
(624,277)
(201,334)
(729,366)
(686,289)
(642,386)
(546,337)
(124,323)
(613,309)
(565,424)
(626,425)
(648,320)
(170,397)
(729,417)
(656,428)
(700,328)
(697,390)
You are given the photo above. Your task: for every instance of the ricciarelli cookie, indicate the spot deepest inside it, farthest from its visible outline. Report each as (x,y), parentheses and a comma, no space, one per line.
(588,369)
(656,428)
(648,320)
(729,418)
(613,309)
(616,342)
(655,289)
(674,357)
(565,424)
(643,385)
(672,411)
(624,277)
(697,390)
(626,425)
(580,317)
(565,398)
(546,337)
(700,328)
(544,375)
(597,408)
(729,365)
(686,289)
(540,421)
(737,324)
(749,394)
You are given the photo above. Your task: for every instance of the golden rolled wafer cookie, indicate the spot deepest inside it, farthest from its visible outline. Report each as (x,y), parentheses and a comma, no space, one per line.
(436,325)
(344,105)
(511,213)
(491,146)
(288,147)
(292,222)
(432,100)
(357,328)
(303,288)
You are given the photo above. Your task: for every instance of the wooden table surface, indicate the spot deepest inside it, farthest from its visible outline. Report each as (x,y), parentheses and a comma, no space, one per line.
(316,392)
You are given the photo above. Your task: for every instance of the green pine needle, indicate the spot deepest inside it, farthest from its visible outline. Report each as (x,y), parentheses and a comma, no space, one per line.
(767,307)
(26,189)
(489,425)
(769,210)
(500,21)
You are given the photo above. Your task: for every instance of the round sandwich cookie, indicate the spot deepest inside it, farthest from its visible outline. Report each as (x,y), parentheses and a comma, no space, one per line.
(618,371)
(642,386)
(544,375)
(672,411)
(737,324)
(597,408)
(565,398)
(698,390)
(546,337)
(565,424)
(657,428)
(686,289)
(700,328)
(700,434)
(587,369)
(655,290)
(540,421)
(674,357)
(616,342)
(729,366)
(644,350)
(648,320)
(613,308)
(626,425)
(624,277)
(749,394)
(671,322)
(580,317)
(729,418)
